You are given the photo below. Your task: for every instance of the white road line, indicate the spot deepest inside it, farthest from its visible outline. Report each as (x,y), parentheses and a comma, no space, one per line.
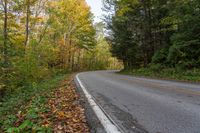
(105,121)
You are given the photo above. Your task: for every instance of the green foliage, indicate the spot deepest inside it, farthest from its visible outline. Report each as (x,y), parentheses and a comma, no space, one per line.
(156,67)
(149,32)
(40,39)
(33,67)
(157,71)
(137,31)
(160,56)
(27,126)
(100,57)
(184,52)
(60,36)
(17,102)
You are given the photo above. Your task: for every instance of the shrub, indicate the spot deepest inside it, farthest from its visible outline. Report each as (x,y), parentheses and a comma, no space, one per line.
(160,56)
(156,67)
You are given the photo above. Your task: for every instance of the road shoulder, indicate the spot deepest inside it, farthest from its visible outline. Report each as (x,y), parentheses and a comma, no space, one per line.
(92,120)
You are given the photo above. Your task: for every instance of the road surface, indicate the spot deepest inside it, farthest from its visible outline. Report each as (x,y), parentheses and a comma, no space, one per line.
(144,105)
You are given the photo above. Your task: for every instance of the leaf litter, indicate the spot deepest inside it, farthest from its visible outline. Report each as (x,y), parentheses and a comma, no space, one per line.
(69,114)
(58,111)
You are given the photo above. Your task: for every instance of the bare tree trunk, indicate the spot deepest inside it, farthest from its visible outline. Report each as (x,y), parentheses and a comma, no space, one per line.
(72,59)
(63,51)
(69,57)
(43,34)
(78,60)
(65,39)
(27,22)
(5,33)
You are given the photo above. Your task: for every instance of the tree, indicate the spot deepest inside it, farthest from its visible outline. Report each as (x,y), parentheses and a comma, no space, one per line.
(5,48)
(75,29)
(185,50)
(142,32)
(40,38)
(27,21)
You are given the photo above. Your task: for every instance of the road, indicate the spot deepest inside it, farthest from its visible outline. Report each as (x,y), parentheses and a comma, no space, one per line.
(142,105)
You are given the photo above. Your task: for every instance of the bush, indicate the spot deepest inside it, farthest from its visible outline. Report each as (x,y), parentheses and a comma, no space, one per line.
(159,71)
(21,98)
(156,67)
(160,56)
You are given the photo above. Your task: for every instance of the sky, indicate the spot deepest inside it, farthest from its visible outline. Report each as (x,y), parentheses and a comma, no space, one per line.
(96,8)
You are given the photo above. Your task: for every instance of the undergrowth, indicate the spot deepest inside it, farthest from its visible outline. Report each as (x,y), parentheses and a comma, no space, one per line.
(19,110)
(165,73)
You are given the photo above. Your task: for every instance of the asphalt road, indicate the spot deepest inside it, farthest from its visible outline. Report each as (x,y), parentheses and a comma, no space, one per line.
(144,105)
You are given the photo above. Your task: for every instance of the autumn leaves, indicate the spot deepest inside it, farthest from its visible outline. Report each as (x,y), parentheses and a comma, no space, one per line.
(69,114)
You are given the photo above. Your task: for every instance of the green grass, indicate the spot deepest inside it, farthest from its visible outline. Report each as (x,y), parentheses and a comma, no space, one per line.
(165,73)
(18,101)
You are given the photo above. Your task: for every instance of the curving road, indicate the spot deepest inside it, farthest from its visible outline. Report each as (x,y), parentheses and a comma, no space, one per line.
(142,105)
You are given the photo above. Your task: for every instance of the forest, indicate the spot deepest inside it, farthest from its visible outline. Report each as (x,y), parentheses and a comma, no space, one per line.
(40,38)
(156,37)
(40,42)
(43,42)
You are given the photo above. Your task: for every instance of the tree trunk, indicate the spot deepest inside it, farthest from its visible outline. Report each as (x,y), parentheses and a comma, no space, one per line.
(125,64)
(5,49)
(5,33)
(72,60)
(65,39)
(27,22)
(78,60)
(69,53)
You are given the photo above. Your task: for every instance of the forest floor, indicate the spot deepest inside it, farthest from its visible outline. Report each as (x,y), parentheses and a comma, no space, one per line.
(55,107)
(168,74)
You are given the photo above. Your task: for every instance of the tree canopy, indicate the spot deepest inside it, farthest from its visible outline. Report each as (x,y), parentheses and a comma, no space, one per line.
(144,32)
(42,37)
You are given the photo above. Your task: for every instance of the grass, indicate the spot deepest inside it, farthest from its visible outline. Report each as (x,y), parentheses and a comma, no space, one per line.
(165,73)
(30,98)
